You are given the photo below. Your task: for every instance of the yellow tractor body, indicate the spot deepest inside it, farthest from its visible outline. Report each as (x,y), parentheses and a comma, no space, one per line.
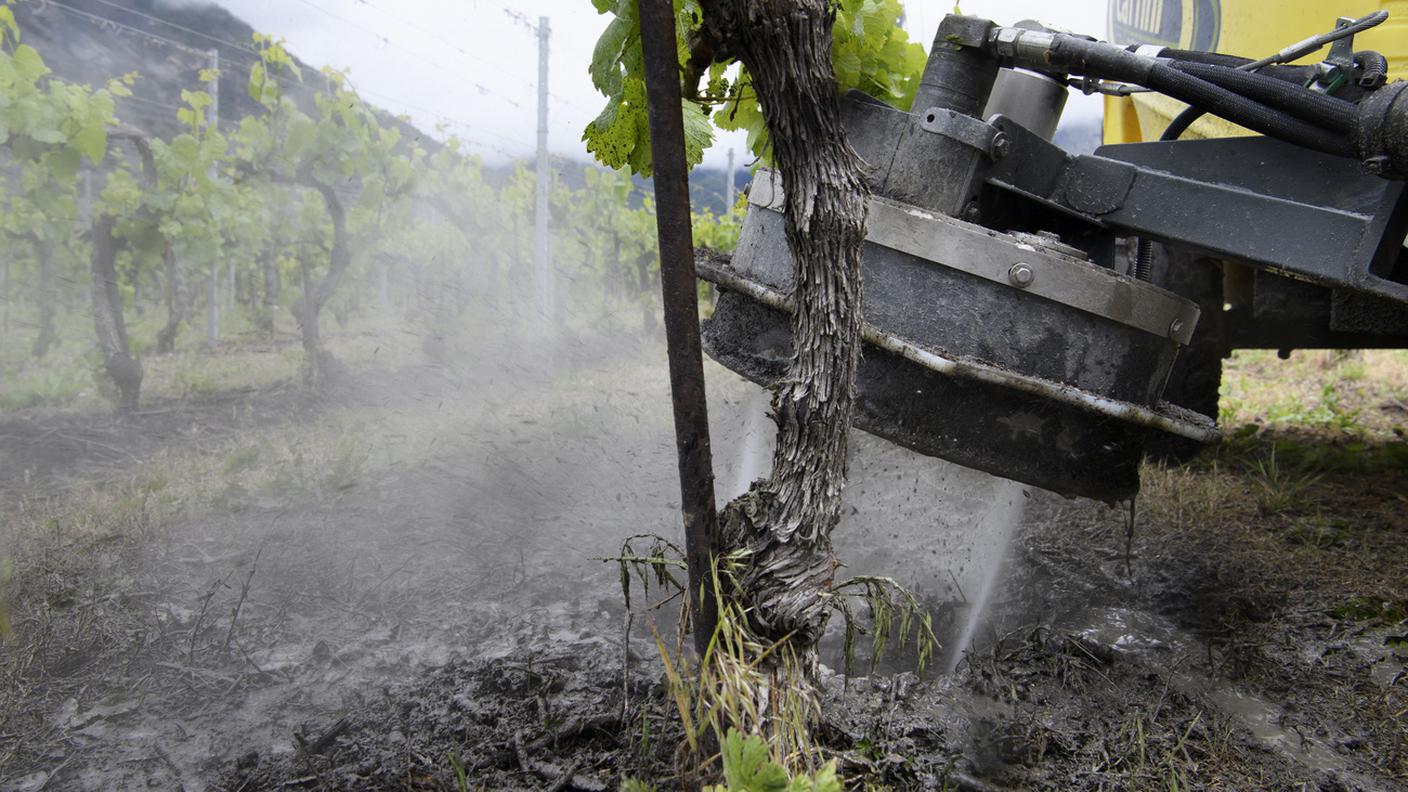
(1249,28)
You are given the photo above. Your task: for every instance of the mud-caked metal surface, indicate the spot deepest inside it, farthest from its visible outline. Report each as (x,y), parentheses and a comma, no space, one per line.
(966,292)
(977,425)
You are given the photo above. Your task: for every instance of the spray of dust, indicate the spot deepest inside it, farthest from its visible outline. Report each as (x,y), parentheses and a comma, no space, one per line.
(991,541)
(941,530)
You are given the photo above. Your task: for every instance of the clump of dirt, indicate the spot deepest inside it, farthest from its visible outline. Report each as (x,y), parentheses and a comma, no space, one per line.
(567,719)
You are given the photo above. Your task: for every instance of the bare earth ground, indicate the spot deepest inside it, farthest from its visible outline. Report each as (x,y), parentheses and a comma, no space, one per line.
(395,585)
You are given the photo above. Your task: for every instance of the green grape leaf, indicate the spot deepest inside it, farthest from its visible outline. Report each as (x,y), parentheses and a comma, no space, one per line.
(614,135)
(92,141)
(63,164)
(9,29)
(47,134)
(29,66)
(747,767)
(606,66)
(698,132)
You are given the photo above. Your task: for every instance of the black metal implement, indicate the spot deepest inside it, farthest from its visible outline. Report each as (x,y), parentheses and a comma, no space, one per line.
(999,333)
(986,349)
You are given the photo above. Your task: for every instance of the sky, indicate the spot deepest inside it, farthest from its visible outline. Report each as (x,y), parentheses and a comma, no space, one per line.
(472,65)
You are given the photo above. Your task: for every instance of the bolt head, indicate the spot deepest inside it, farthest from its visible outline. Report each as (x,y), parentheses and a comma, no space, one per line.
(1021,275)
(1175,327)
(1000,145)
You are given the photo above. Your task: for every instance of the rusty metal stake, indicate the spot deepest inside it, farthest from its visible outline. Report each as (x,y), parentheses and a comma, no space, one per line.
(677,285)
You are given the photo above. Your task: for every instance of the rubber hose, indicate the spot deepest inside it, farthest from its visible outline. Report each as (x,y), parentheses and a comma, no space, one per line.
(1373,69)
(1101,60)
(1299,75)
(1251,114)
(1181,122)
(1211,58)
(1319,109)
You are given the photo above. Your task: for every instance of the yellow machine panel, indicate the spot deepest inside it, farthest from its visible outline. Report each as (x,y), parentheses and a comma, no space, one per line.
(1249,28)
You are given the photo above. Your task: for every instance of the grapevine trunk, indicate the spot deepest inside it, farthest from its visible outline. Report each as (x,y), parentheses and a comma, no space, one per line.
(787,518)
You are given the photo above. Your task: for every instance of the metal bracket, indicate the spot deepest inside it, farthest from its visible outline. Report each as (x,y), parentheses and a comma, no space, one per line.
(1339,65)
(966,130)
(1012,262)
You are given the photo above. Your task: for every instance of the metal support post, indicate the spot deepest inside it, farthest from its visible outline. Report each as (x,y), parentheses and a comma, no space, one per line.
(728,189)
(542,265)
(678,285)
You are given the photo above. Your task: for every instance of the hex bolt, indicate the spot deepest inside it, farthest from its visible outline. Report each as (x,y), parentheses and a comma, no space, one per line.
(1021,275)
(1000,146)
(1175,327)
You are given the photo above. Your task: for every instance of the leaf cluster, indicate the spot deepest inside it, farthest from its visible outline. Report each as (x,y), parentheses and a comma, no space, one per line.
(870,53)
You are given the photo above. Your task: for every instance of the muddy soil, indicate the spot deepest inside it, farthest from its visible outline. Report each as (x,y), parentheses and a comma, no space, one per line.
(447,623)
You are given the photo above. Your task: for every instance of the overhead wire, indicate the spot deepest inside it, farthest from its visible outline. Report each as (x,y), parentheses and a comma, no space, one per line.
(387,41)
(173,25)
(470,55)
(106,23)
(457,48)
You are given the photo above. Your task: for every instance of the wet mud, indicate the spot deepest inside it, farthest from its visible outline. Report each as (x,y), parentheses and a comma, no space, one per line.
(449,623)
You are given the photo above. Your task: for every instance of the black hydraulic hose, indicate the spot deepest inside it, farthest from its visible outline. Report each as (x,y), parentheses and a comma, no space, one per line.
(1300,75)
(1181,122)
(1319,109)
(1101,60)
(1211,58)
(1249,113)
(1373,69)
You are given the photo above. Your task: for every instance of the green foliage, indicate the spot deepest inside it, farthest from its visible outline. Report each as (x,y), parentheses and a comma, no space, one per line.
(897,618)
(1278,489)
(870,53)
(241,459)
(195,381)
(216,200)
(719,232)
(53,385)
(1365,608)
(620,136)
(748,767)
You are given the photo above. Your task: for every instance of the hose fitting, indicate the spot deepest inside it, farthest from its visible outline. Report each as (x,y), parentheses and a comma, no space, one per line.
(1381,131)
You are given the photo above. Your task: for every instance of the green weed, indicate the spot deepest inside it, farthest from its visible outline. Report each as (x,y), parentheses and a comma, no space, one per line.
(241,459)
(1363,608)
(191,380)
(1278,489)
(1324,533)
(48,386)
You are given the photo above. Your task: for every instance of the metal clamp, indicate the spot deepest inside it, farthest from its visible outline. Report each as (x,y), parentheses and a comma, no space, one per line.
(965,129)
(995,256)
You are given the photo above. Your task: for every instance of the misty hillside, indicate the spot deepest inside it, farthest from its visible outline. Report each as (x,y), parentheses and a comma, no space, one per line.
(167,43)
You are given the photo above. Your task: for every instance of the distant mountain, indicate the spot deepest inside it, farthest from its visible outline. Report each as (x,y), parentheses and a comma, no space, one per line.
(165,42)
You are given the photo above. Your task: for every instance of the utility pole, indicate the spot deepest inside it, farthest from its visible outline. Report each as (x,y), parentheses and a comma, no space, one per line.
(542,266)
(212,308)
(728,189)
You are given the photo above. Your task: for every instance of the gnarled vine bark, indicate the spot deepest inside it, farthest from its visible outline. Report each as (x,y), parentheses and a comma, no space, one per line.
(787,519)
(121,365)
